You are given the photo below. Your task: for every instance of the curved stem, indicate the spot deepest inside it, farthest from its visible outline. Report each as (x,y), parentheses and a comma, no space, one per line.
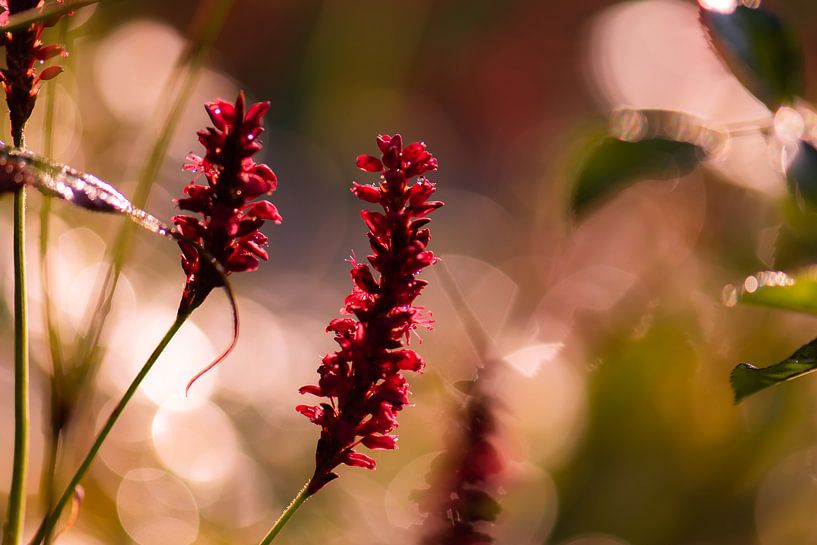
(297,501)
(51,520)
(17,494)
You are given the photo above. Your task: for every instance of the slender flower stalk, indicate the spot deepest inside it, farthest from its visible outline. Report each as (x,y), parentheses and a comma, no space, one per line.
(21,84)
(362,381)
(12,534)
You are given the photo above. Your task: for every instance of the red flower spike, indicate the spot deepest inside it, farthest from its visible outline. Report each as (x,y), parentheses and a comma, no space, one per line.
(230,220)
(24,49)
(229,228)
(363,379)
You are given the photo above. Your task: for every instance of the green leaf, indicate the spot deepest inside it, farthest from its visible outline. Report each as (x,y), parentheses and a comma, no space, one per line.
(747,379)
(801,174)
(777,290)
(761,50)
(613,164)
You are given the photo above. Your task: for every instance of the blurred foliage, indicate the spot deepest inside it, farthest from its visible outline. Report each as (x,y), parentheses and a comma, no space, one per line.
(761,50)
(612,164)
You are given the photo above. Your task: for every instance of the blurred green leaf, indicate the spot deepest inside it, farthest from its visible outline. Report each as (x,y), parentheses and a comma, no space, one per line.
(801,174)
(761,50)
(747,379)
(613,164)
(779,290)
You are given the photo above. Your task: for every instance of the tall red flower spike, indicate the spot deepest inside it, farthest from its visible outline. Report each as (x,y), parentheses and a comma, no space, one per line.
(228,228)
(230,216)
(24,48)
(362,380)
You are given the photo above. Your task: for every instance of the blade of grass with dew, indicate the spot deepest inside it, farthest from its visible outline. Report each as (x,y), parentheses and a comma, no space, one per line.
(777,289)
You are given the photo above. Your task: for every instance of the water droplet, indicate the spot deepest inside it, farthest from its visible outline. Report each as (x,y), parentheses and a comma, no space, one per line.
(789,125)
(721,6)
(729,296)
(629,125)
(750,284)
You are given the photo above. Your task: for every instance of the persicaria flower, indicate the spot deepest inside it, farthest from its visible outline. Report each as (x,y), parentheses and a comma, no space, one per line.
(24,48)
(362,381)
(230,216)
(460,506)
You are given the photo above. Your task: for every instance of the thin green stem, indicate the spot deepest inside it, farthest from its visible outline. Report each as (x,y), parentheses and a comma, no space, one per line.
(17,494)
(297,501)
(58,418)
(194,59)
(51,520)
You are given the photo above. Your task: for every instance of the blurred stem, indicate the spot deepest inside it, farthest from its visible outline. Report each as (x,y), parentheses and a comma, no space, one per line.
(17,494)
(50,10)
(195,58)
(479,338)
(57,419)
(297,501)
(50,521)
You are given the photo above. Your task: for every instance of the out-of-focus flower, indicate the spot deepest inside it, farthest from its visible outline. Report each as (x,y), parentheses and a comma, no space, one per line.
(362,380)
(24,49)
(459,505)
(231,218)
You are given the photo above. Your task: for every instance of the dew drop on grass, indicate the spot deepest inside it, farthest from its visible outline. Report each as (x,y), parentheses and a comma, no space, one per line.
(729,296)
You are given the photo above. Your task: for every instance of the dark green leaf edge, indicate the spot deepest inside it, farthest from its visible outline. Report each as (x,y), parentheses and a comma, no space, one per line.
(746,379)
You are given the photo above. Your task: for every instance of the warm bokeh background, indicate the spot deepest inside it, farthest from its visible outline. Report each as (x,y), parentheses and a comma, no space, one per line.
(613,344)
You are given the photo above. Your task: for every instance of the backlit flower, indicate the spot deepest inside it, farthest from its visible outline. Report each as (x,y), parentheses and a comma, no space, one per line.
(362,381)
(229,217)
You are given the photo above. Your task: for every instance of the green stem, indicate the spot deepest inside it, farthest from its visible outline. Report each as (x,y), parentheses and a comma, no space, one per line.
(51,520)
(195,59)
(58,410)
(17,494)
(297,501)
